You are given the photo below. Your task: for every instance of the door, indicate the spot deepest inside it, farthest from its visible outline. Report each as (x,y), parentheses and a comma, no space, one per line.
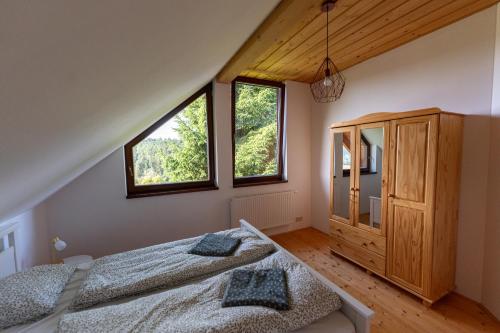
(370,190)
(343,150)
(412,164)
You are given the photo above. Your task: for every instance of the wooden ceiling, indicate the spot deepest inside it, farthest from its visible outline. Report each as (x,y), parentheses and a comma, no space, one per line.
(291,43)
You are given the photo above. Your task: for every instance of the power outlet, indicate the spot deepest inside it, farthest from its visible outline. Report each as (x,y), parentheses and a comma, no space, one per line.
(299,219)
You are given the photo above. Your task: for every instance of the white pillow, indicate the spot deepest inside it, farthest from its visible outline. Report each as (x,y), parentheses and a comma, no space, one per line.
(30,295)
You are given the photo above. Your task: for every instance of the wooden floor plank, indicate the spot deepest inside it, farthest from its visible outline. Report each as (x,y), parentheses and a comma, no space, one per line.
(395,309)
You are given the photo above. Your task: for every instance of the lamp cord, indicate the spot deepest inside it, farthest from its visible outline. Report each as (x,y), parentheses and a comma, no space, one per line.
(327,32)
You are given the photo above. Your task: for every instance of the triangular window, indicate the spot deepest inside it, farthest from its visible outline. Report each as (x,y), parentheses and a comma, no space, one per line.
(176,153)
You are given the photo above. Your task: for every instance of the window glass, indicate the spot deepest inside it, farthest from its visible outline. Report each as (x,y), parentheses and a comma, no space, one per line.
(177,151)
(256,130)
(258,136)
(175,154)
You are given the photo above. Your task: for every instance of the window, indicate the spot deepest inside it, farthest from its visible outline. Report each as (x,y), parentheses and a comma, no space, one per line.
(176,154)
(257,124)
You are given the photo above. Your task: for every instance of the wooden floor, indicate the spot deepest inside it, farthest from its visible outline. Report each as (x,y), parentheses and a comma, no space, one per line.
(395,309)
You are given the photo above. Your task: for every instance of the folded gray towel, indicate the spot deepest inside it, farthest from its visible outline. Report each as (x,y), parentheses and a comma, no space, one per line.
(265,287)
(214,245)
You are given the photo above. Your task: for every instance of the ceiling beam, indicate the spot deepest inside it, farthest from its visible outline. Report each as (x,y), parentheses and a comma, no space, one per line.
(289,17)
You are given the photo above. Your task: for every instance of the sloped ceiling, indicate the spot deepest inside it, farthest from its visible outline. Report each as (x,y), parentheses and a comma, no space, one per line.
(80,78)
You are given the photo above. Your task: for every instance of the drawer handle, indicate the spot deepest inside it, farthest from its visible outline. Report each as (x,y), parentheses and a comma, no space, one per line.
(372,243)
(371,260)
(339,231)
(364,244)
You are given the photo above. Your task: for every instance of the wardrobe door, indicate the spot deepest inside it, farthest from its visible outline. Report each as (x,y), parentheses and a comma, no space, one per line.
(343,148)
(412,168)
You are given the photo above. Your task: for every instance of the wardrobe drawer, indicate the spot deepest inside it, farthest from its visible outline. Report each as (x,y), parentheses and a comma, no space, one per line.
(363,239)
(365,258)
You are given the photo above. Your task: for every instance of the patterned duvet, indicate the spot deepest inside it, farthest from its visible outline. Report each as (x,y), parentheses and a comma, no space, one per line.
(197,307)
(162,266)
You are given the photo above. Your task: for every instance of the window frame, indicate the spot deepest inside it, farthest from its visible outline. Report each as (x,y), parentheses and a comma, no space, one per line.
(260,180)
(362,171)
(139,191)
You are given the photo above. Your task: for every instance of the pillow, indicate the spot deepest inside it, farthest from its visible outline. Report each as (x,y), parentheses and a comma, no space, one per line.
(30,295)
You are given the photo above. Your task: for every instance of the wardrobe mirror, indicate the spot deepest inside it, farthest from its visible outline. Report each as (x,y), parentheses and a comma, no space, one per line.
(371,153)
(342,163)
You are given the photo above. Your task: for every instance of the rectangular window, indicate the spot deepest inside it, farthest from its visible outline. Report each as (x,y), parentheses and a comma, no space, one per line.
(257,124)
(176,153)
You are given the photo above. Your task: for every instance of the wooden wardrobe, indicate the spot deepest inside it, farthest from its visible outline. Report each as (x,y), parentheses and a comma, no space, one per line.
(394,195)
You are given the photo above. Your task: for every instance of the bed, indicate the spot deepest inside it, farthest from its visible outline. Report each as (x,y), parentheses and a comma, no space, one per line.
(352,317)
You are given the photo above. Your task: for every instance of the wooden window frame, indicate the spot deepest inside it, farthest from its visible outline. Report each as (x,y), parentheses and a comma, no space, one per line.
(260,180)
(139,191)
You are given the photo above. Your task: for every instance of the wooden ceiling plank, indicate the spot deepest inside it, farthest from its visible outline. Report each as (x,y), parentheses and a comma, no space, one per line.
(388,12)
(421,31)
(454,8)
(424,14)
(363,39)
(337,25)
(264,75)
(341,42)
(445,16)
(288,17)
(315,27)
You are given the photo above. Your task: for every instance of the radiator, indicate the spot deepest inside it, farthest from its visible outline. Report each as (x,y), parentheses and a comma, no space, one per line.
(265,210)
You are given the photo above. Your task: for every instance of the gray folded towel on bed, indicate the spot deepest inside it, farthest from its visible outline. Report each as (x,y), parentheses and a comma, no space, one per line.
(265,287)
(216,246)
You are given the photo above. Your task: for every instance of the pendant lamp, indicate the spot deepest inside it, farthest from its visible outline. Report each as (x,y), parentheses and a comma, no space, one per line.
(328,83)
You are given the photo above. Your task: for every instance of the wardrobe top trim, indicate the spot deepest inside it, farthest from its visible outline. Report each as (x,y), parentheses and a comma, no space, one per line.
(383,116)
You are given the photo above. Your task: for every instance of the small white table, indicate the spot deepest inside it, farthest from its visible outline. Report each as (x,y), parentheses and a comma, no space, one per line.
(82,261)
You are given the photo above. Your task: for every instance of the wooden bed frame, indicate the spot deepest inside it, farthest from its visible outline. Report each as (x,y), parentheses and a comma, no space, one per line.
(357,312)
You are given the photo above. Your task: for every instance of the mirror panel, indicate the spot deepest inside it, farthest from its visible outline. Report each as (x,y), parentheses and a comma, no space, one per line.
(343,144)
(370,178)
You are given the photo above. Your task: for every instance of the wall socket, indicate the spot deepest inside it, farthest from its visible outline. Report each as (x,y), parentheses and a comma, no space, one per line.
(299,219)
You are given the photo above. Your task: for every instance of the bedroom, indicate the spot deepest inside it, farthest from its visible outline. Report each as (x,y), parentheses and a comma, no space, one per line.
(79,81)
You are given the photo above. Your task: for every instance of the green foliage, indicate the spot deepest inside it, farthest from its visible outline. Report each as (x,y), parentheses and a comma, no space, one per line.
(255,130)
(185,157)
(160,161)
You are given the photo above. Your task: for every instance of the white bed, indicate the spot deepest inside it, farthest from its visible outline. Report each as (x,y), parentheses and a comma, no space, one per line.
(353,316)
(356,312)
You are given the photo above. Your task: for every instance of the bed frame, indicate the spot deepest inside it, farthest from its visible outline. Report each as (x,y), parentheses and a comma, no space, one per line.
(356,311)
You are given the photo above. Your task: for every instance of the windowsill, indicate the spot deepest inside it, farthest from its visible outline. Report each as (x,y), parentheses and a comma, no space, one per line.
(168,192)
(258,183)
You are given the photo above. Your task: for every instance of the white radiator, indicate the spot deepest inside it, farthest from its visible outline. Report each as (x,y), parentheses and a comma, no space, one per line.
(265,210)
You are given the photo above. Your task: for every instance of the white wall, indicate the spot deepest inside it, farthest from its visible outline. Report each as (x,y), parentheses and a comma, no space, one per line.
(93,216)
(451,69)
(80,78)
(491,275)
(32,241)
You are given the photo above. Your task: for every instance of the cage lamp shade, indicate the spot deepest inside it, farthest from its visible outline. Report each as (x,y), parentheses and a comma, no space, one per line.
(328,83)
